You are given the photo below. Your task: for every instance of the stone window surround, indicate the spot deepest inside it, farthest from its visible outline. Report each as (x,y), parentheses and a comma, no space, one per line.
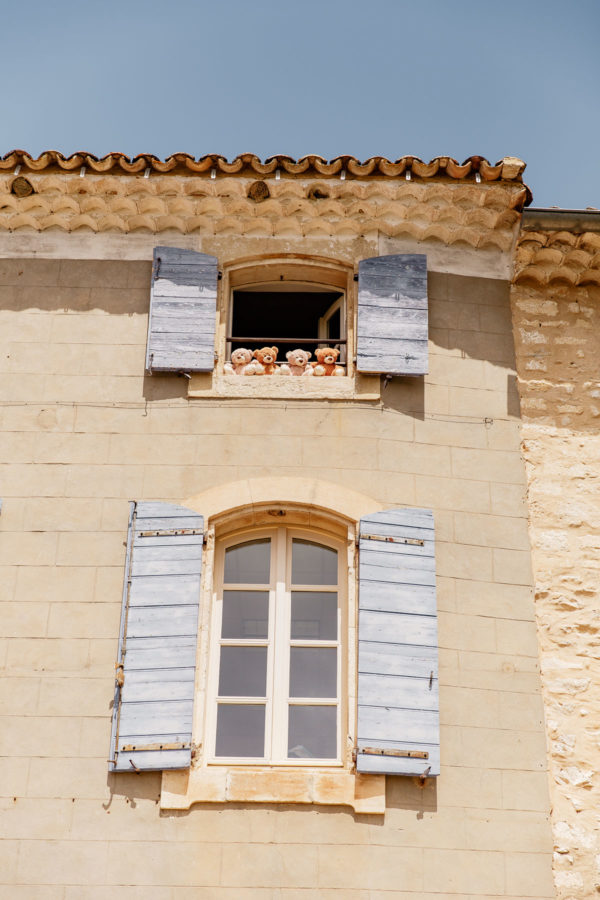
(239,506)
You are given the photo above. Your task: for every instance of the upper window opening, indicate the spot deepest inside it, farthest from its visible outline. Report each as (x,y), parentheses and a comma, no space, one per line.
(290,317)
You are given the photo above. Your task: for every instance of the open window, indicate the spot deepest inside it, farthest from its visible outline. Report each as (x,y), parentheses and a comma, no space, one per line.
(293,303)
(288,315)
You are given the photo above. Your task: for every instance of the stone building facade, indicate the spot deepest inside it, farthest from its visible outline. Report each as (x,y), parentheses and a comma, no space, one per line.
(496,440)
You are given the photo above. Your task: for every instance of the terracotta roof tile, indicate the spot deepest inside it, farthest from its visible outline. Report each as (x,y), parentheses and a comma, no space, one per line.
(431,206)
(509,168)
(556,257)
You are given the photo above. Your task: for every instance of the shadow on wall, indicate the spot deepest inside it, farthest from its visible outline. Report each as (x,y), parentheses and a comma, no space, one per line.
(469,319)
(76,285)
(145,786)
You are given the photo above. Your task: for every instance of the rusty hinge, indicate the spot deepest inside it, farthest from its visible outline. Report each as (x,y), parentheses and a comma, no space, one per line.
(417,542)
(170,532)
(405,754)
(120,673)
(143,748)
(156,268)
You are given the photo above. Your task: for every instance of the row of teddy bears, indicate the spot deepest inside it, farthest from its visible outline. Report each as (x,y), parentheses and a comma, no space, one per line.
(264,362)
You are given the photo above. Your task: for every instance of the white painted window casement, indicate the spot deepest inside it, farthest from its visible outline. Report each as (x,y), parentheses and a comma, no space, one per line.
(276,661)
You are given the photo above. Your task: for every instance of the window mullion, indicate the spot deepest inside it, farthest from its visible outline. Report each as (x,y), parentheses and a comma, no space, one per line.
(281,650)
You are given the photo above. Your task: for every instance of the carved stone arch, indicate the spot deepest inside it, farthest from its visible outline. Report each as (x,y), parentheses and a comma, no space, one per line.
(255,495)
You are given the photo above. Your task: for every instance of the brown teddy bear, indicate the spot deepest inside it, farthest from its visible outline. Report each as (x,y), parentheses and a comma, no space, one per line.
(297,363)
(240,364)
(326,362)
(266,359)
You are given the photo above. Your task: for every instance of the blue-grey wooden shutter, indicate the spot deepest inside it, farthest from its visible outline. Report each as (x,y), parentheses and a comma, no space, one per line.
(183,307)
(398,708)
(153,707)
(392,315)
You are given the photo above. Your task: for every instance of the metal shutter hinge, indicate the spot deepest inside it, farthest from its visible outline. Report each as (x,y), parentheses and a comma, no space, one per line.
(170,532)
(144,748)
(404,754)
(417,542)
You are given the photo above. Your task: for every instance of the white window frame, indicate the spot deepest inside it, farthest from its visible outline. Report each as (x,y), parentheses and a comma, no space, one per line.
(279,643)
(339,304)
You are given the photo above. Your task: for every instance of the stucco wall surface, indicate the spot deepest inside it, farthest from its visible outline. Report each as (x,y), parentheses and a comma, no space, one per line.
(84,431)
(556,313)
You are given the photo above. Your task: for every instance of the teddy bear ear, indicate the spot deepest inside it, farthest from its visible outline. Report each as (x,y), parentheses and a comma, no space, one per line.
(255,354)
(274,349)
(289,353)
(308,354)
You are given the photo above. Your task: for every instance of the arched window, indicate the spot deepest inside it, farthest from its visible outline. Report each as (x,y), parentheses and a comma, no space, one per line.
(276,664)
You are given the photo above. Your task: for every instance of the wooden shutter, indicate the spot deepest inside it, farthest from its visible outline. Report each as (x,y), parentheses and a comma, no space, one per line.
(152,713)
(392,315)
(398,710)
(183,306)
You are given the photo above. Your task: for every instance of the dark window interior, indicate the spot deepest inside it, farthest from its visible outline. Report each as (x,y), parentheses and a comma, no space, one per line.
(288,319)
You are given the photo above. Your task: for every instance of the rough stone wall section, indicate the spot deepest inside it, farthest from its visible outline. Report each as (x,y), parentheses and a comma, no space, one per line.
(556,318)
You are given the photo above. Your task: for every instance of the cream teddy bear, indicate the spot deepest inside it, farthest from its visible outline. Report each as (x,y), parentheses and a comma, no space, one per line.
(297,363)
(241,363)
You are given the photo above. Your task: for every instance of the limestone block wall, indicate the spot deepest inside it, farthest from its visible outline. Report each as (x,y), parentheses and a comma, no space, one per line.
(556,314)
(84,431)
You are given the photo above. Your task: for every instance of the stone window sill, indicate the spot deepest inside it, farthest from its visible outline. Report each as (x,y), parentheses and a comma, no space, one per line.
(285,387)
(247,784)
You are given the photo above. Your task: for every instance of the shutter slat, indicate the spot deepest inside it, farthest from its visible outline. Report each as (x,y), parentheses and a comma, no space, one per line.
(398,704)
(183,304)
(392,326)
(158,639)
(405,598)
(400,693)
(409,660)
(397,628)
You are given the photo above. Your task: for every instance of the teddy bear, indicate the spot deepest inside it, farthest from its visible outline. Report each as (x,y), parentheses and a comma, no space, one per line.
(297,363)
(241,363)
(266,359)
(326,362)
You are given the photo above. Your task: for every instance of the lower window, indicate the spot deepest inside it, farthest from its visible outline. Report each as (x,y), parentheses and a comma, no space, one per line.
(276,651)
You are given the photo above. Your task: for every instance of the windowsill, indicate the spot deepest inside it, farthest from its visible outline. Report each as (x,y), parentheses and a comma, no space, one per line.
(246,784)
(285,387)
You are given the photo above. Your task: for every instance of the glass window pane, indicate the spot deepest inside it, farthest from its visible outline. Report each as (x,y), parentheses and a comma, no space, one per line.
(313,563)
(312,732)
(313,672)
(245,614)
(248,563)
(243,672)
(314,616)
(240,730)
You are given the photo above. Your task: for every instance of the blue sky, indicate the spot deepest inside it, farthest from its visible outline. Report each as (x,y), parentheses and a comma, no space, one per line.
(385,77)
